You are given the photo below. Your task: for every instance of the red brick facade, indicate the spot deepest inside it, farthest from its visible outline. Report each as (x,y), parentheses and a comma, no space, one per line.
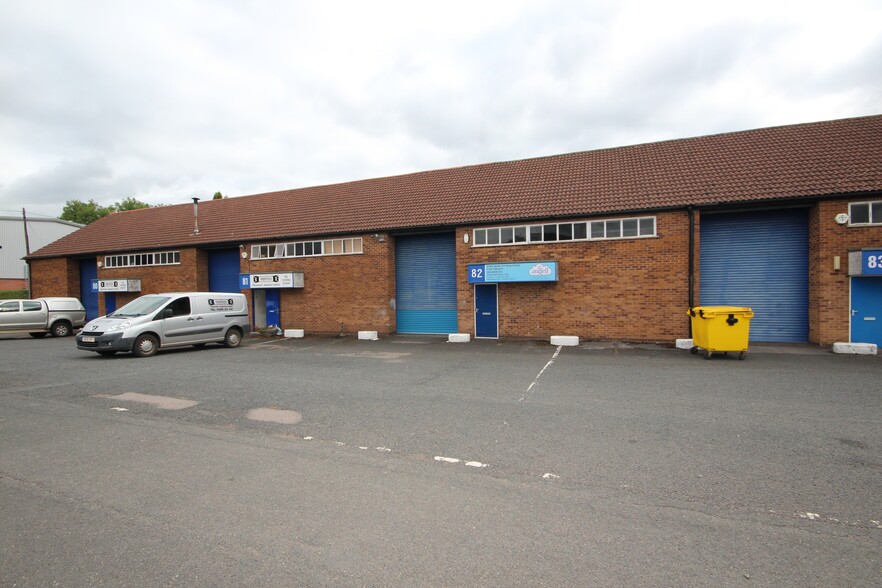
(829,289)
(347,293)
(628,289)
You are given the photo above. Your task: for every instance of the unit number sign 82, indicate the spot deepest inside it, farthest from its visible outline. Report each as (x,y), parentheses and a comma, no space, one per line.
(478,272)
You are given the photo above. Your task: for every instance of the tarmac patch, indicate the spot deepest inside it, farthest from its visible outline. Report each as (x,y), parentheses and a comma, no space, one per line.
(274,415)
(163,402)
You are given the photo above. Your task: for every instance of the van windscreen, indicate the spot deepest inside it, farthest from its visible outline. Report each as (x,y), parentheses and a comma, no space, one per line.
(141,306)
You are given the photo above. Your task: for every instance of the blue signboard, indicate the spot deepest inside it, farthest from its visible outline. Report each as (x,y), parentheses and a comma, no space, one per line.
(531,271)
(244,281)
(871,262)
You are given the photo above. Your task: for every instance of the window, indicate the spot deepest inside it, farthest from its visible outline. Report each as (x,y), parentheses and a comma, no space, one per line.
(9,306)
(31,306)
(307,248)
(619,228)
(143,259)
(180,307)
(865,213)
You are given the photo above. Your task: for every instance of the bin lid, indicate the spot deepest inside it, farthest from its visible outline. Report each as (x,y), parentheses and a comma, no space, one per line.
(718,310)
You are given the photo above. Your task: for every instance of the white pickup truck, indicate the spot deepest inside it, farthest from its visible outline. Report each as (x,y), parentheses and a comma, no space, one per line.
(57,316)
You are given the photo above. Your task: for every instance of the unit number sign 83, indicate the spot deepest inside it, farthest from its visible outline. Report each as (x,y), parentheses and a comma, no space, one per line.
(873,261)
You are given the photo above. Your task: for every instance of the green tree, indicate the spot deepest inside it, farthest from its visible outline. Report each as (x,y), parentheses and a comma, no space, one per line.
(77,211)
(218,196)
(129,204)
(84,213)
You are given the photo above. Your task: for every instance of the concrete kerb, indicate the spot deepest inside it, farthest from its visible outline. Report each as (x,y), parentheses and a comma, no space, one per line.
(678,345)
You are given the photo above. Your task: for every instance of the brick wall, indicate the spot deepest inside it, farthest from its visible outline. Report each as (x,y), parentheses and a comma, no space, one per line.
(188,276)
(352,290)
(55,277)
(629,289)
(829,289)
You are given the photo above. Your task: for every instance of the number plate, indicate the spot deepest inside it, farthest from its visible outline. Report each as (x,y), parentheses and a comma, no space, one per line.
(87,339)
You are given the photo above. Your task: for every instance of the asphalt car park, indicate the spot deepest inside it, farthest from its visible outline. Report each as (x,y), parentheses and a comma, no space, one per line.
(413,461)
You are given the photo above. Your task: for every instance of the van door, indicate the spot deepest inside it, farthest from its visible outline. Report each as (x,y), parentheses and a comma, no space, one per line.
(183,326)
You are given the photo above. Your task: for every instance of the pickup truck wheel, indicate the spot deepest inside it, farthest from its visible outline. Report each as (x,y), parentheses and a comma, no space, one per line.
(61,329)
(145,346)
(37,335)
(232,338)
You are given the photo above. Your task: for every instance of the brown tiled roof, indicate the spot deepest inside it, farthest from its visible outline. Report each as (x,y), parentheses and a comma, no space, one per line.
(807,160)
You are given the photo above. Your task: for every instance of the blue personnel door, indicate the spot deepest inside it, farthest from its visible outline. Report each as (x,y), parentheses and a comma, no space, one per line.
(89,298)
(272,307)
(109,302)
(866,310)
(486,316)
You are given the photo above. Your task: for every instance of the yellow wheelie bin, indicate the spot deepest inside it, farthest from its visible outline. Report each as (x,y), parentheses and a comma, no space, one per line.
(720,329)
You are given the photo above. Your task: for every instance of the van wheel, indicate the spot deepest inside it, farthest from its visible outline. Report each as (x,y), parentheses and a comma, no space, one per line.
(145,346)
(61,329)
(232,338)
(37,335)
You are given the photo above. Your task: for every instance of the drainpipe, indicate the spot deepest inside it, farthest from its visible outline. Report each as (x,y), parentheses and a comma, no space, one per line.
(196,216)
(691,212)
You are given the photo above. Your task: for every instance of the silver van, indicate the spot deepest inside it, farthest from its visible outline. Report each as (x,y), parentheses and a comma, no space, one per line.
(175,319)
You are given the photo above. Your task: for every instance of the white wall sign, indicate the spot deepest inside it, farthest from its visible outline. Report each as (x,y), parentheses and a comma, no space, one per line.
(278,280)
(133,285)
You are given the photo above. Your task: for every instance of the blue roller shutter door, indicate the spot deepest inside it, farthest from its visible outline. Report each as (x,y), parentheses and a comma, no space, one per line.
(760,260)
(425,275)
(223,270)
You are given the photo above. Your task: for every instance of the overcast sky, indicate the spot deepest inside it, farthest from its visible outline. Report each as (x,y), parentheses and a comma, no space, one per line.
(163,101)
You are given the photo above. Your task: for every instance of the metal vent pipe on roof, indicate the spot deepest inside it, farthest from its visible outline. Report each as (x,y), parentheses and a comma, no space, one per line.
(195,216)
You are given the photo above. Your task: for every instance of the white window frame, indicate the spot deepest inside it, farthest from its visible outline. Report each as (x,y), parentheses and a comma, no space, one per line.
(870,204)
(482,237)
(142,259)
(311,248)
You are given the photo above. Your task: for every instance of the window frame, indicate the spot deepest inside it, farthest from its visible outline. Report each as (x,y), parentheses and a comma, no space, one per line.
(125,260)
(536,233)
(871,221)
(310,248)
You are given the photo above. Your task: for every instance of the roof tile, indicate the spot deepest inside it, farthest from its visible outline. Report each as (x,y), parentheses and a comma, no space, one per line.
(806,160)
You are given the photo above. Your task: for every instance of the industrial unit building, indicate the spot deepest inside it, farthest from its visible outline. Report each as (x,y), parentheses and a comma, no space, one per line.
(612,244)
(19,236)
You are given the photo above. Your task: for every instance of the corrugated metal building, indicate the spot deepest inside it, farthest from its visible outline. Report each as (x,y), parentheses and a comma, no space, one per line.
(41,232)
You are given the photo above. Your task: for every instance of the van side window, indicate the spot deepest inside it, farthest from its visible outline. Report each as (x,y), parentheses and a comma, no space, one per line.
(29,305)
(181,306)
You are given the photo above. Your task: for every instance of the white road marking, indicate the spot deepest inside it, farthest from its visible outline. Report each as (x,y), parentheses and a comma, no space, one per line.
(542,371)
(447,459)
(120,409)
(477,464)
(550,476)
